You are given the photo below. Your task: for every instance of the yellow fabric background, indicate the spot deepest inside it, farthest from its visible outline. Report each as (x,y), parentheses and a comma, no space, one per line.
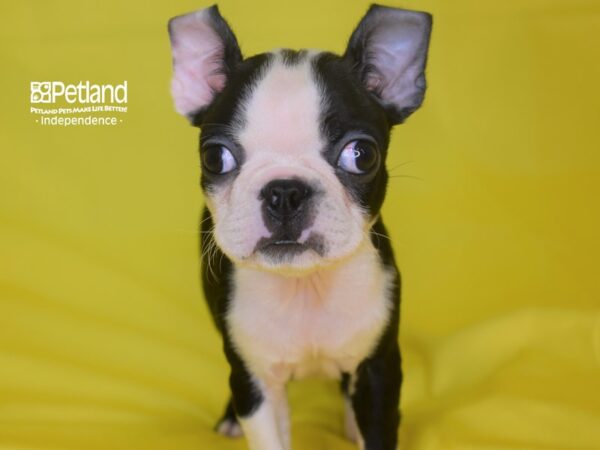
(105,342)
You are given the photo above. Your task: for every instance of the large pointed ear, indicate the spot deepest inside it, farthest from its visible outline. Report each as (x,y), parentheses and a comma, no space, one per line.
(205,51)
(388,51)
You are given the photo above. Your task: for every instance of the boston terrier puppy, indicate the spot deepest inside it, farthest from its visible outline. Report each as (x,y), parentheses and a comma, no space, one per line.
(297,267)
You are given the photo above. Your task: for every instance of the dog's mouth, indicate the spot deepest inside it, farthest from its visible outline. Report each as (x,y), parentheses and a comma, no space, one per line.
(283,249)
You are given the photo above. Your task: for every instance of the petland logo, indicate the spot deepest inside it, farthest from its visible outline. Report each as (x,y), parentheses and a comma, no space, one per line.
(84,92)
(63,104)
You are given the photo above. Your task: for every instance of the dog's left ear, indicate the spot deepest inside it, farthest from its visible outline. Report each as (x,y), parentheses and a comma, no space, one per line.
(388,51)
(205,51)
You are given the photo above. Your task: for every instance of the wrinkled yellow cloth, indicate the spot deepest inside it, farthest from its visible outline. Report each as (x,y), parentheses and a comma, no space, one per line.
(105,342)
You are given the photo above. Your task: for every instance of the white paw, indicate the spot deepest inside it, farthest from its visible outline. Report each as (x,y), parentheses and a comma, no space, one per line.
(350,426)
(230,428)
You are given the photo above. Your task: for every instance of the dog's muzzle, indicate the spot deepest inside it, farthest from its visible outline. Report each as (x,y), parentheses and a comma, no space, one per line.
(287,210)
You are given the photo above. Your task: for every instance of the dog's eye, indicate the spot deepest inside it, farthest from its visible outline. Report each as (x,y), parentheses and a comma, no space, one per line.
(218,159)
(358,157)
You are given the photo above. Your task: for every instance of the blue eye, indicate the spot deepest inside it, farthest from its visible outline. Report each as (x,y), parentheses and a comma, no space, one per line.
(358,157)
(218,159)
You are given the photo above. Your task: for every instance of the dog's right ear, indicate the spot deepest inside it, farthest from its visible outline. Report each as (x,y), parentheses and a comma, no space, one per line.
(205,51)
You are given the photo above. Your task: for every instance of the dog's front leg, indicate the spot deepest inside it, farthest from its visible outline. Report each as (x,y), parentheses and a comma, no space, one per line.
(278,396)
(261,428)
(261,408)
(267,426)
(375,397)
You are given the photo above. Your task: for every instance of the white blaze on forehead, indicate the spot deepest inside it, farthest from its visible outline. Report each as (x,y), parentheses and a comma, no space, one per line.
(282,113)
(278,127)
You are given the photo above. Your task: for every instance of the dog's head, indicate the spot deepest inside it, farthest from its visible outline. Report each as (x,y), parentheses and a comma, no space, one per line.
(293,143)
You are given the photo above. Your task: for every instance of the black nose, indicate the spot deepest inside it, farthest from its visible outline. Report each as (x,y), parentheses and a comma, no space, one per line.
(285,198)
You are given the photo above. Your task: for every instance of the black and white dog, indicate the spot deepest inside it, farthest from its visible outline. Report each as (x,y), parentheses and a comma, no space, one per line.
(297,268)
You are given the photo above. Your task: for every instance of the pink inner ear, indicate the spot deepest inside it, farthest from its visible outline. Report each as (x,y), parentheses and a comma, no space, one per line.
(197,62)
(373,82)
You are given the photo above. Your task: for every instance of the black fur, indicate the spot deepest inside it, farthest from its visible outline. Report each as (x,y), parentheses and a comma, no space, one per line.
(218,119)
(352,111)
(378,378)
(293,57)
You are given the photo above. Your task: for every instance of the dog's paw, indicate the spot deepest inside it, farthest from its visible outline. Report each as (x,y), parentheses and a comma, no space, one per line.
(229,428)
(350,425)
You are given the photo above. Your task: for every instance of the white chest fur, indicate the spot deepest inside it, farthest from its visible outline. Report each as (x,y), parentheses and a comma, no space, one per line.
(326,322)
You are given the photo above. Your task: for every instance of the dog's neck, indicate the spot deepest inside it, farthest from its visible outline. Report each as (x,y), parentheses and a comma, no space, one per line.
(324,322)
(316,286)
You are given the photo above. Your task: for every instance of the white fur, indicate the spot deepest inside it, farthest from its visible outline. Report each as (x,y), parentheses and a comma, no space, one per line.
(282,139)
(323,323)
(261,430)
(350,425)
(230,428)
